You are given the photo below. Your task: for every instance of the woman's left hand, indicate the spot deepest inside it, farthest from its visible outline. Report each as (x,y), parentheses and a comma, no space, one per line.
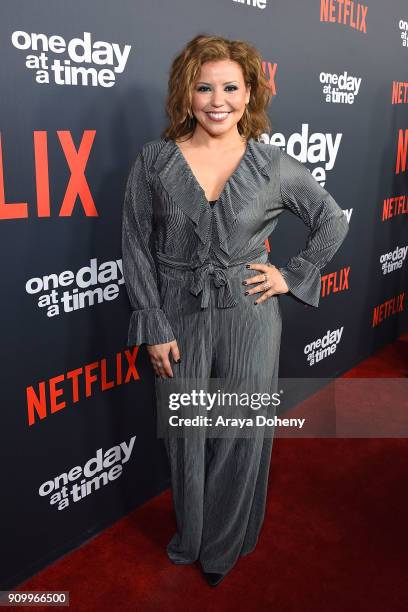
(271,281)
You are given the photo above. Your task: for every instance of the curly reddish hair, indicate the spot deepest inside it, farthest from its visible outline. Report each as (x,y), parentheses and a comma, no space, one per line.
(184,72)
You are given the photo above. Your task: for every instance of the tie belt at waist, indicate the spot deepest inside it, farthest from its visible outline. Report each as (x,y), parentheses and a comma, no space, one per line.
(202,273)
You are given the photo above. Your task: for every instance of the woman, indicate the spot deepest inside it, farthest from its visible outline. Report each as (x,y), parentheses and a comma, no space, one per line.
(200,202)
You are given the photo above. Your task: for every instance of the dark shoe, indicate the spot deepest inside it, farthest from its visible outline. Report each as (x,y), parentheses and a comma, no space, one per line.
(213,579)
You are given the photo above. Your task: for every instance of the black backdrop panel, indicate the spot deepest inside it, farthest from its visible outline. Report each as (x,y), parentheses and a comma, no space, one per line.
(78,439)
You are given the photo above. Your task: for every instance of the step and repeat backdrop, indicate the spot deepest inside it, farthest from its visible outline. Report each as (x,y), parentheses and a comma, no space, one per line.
(83,88)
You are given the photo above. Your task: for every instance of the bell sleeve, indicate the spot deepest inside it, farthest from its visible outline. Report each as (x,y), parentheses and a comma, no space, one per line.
(148,322)
(306,198)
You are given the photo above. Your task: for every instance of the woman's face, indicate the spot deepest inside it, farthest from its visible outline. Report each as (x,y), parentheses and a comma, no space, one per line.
(219,89)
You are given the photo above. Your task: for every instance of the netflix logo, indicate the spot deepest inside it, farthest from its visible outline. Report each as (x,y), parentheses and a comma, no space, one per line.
(402,151)
(393,207)
(388,308)
(335,281)
(345,12)
(62,391)
(77,186)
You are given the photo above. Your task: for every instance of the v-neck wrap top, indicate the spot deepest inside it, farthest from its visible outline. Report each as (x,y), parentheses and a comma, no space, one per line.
(168,220)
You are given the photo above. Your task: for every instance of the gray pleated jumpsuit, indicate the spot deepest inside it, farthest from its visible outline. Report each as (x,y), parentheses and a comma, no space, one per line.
(184,263)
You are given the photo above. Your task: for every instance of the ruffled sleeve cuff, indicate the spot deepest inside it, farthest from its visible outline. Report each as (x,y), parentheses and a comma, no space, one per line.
(303,279)
(149,326)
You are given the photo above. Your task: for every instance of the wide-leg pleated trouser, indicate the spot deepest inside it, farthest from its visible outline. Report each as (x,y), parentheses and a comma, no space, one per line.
(219,485)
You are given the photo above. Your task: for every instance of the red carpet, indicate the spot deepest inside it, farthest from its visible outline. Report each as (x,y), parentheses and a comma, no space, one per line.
(335,536)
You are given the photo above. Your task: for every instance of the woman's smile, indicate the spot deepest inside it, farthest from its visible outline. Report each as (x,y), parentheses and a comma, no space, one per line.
(216,116)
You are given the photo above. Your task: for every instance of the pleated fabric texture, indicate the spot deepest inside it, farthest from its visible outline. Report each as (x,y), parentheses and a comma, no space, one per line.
(166,210)
(219,485)
(184,263)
